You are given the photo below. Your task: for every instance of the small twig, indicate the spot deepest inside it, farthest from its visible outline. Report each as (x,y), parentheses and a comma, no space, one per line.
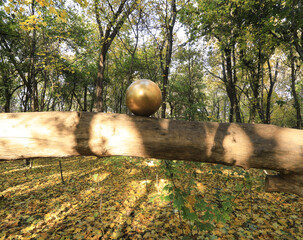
(251,199)
(61,172)
(100,208)
(145,179)
(171,175)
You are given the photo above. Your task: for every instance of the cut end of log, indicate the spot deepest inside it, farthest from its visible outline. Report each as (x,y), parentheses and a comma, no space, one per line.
(284,183)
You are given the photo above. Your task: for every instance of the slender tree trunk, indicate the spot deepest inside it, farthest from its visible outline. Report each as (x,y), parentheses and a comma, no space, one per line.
(190,87)
(43,92)
(115,20)
(235,80)
(258,90)
(33,80)
(85,99)
(100,82)
(229,84)
(224,110)
(170,23)
(164,93)
(294,92)
(298,40)
(272,82)
(11,56)
(7,93)
(256,87)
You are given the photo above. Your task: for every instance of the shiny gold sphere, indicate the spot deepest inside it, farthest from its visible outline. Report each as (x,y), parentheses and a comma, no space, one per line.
(143,97)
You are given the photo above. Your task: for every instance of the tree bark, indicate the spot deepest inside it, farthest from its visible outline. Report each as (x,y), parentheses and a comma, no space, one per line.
(107,34)
(230,85)
(7,94)
(63,134)
(272,82)
(169,39)
(32,71)
(294,92)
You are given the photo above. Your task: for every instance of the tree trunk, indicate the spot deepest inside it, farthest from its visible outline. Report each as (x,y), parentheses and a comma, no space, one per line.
(272,82)
(7,94)
(100,82)
(106,36)
(294,92)
(169,24)
(34,88)
(235,80)
(85,99)
(62,134)
(229,83)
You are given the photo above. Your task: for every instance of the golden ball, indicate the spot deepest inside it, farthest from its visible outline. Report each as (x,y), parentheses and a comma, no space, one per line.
(143,97)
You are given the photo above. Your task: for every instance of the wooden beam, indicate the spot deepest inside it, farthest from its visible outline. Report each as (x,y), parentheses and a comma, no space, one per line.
(63,134)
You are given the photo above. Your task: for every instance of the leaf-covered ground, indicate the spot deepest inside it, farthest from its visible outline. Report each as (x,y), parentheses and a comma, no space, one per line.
(111,198)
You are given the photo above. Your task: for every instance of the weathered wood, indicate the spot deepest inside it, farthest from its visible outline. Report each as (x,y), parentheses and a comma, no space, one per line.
(62,134)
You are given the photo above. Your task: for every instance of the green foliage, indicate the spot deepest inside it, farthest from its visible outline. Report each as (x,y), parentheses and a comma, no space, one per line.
(196,212)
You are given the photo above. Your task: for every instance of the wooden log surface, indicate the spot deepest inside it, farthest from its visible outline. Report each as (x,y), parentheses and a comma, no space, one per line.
(63,134)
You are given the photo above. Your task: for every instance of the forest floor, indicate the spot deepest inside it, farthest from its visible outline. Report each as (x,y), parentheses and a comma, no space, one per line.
(117,198)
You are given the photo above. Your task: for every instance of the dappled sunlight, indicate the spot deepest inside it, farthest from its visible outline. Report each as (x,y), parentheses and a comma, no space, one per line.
(136,200)
(201,187)
(150,163)
(52,218)
(238,147)
(90,171)
(20,169)
(35,136)
(27,187)
(134,171)
(100,177)
(144,182)
(117,198)
(110,137)
(160,184)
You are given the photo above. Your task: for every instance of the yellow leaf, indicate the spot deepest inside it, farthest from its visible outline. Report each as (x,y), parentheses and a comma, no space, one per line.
(190,202)
(52,10)
(7,9)
(117,234)
(201,187)
(63,14)
(220,225)
(157,223)
(63,20)
(90,219)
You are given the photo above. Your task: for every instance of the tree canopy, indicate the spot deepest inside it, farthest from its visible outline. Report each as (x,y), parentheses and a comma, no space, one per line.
(224,61)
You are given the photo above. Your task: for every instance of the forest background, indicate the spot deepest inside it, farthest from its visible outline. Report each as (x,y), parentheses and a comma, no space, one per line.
(224,61)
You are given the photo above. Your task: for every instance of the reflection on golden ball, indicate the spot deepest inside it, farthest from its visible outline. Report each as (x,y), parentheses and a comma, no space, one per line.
(143,97)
